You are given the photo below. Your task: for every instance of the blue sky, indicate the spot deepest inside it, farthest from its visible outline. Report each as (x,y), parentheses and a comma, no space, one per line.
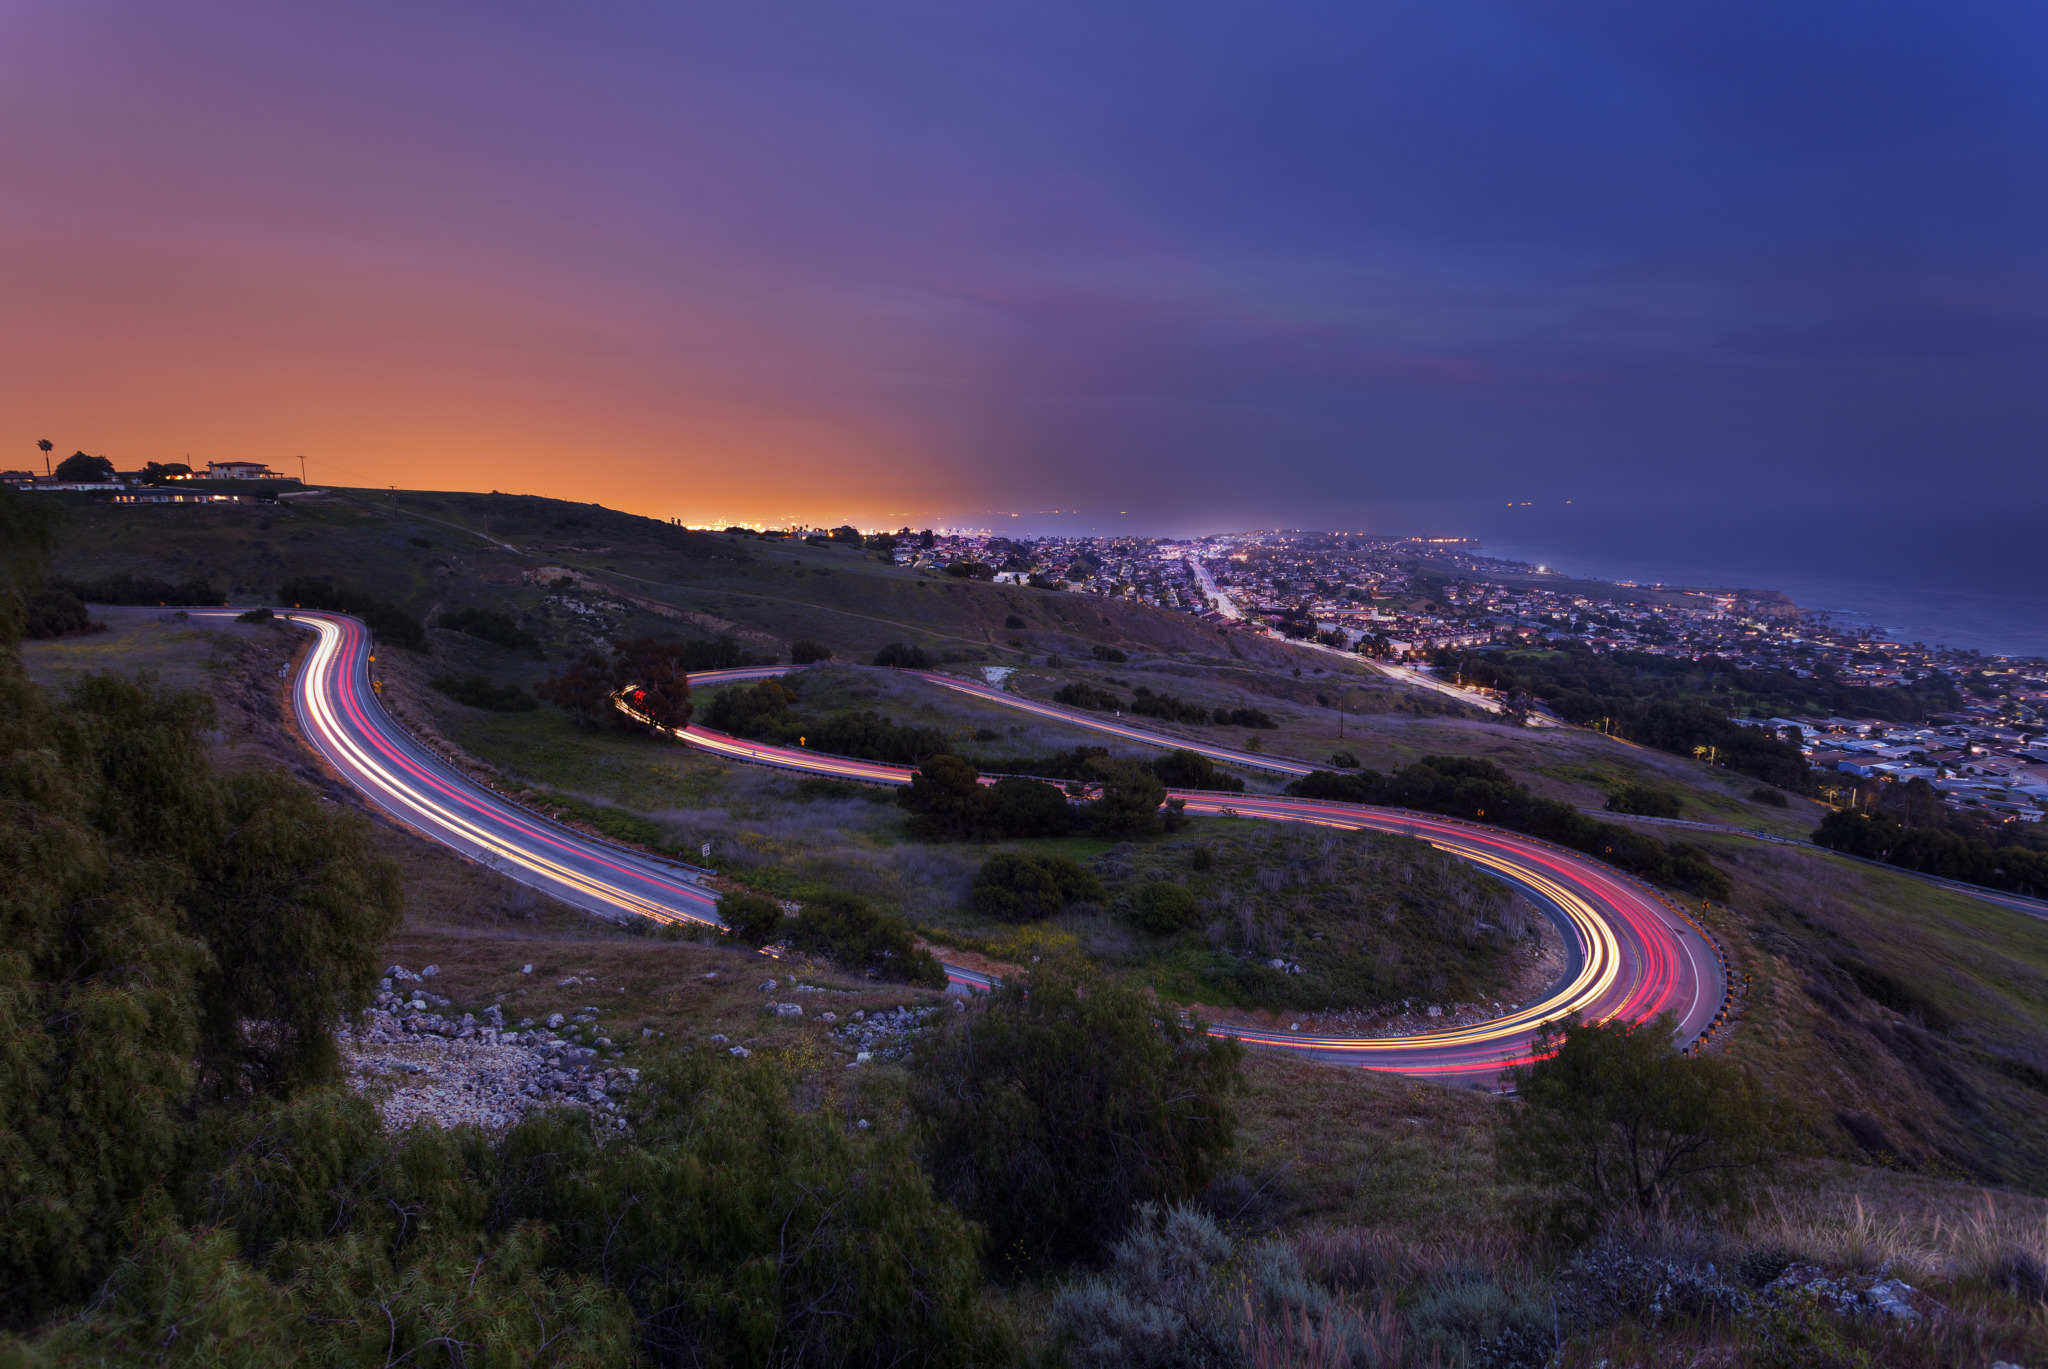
(1356,265)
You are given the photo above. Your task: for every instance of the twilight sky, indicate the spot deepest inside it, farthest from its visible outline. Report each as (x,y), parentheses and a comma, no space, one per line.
(1701,268)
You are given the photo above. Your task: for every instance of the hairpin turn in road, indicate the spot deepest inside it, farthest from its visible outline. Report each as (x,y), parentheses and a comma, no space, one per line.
(1633,953)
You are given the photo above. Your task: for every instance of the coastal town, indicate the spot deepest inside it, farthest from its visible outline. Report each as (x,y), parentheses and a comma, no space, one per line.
(1434,603)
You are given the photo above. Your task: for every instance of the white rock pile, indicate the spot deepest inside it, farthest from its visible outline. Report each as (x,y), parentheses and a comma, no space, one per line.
(887,1033)
(472,1070)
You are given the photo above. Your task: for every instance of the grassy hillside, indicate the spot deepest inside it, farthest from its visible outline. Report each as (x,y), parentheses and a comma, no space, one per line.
(1908,1025)
(627,574)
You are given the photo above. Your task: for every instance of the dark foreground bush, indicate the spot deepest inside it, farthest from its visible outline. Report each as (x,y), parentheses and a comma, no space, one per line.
(478,692)
(1611,1118)
(1059,1104)
(57,613)
(1026,888)
(805,652)
(179,940)
(730,1229)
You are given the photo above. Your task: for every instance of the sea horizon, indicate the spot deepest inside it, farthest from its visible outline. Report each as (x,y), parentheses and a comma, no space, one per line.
(1997,625)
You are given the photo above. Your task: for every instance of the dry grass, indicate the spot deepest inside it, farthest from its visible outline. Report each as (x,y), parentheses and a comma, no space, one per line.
(1366,1148)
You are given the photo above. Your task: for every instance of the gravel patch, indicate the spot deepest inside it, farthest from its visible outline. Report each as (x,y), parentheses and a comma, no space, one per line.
(473,1071)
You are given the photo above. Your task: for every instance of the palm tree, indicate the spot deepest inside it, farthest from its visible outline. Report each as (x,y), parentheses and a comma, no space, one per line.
(46,445)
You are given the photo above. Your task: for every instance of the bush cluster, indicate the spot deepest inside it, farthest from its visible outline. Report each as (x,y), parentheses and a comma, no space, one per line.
(803,651)
(1060,1104)
(840,927)
(1167,708)
(1028,888)
(903,657)
(1184,769)
(56,613)
(1935,851)
(948,802)
(1079,695)
(1465,787)
(1644,801)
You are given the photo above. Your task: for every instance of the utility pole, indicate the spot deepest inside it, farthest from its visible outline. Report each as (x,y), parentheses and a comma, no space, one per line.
(302,468)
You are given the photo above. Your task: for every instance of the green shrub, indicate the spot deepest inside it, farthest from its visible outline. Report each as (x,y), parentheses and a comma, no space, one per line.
(1610,1117)
(178,937)
(848,931)
(1184,769)
(1343,760)
(750,919)
(1026,888)
(1167,708)
(1163,907)
(1644,801)
(1244,717)
(1062,1102)
(948,801)
(1110,654)
(1769,797)
(805,652)
(60,613)
(1130,799)
(256,615)
(1078,695)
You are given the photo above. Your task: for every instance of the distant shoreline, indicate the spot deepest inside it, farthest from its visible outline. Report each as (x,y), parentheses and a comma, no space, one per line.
(1993,624)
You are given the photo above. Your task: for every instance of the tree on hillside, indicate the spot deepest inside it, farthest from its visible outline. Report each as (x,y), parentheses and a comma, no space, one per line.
(1062,1102)
(659,673)
(1610,1117)
(174,935)
(1131,796)
(81,469)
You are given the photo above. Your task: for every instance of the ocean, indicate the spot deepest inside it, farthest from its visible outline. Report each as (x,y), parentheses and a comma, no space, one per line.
(1983,589)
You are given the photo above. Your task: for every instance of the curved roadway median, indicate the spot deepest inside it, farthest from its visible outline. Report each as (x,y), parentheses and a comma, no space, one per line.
(1635,954)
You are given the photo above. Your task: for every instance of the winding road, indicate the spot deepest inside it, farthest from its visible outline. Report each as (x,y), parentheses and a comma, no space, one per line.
(1632,953)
